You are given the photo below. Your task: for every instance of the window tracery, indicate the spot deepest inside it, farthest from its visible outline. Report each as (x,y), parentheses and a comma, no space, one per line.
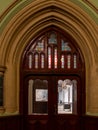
(52,51)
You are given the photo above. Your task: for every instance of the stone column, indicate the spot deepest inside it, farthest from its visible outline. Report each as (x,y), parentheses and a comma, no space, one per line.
(10,83)
(93,92)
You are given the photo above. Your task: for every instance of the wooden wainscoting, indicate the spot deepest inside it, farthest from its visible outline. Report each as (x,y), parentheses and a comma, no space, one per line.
(68,123)
(89,123)
(16,123)
(11,123)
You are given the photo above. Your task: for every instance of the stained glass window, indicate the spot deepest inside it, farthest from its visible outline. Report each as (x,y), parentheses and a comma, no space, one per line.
(36,61)
(68,61)
(75,61)
(65,46)
(55,58)
(40,46)
(42,61)
(62,61)
(49,57)
(52,38)
(52,51)
(30,61)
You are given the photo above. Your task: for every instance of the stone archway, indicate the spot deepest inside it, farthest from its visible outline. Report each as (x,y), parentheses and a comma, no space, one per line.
(27,23)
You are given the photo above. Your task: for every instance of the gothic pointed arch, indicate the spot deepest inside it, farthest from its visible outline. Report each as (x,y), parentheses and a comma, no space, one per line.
(31,20)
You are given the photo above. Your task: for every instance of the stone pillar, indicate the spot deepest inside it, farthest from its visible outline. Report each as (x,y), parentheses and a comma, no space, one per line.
(10,83)
(93,92)
(2,70)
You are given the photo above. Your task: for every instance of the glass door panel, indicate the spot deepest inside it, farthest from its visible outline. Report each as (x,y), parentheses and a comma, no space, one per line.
(38,96)
(67,98)
(52,95)
(67,95)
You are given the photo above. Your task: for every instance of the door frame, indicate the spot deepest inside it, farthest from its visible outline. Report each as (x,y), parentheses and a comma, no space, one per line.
(24,73)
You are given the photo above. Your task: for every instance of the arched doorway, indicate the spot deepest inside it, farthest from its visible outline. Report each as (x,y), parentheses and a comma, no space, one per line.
(52,82)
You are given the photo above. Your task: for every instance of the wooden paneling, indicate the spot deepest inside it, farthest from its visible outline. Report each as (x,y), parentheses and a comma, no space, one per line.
(11,123)
(90,123)
(81,123)
(16,123)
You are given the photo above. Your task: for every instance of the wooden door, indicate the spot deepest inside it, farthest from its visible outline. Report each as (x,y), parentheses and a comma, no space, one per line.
(52,64)
(52,102)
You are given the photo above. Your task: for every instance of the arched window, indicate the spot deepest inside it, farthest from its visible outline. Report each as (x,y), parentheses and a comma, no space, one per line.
(52,51)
